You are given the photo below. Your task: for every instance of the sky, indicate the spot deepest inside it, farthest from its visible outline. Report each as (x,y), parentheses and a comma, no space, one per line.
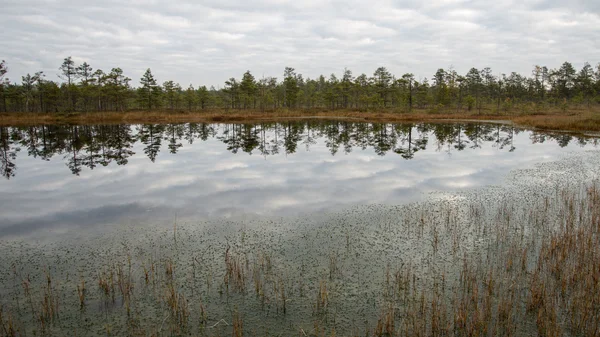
(207,42)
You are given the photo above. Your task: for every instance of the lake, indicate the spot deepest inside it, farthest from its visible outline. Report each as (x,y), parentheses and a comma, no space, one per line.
(58,178)
(309,228)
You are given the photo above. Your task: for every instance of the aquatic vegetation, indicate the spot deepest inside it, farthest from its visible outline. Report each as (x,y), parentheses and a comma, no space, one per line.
(81,293)
(454,265)
(8,325)
(238,326)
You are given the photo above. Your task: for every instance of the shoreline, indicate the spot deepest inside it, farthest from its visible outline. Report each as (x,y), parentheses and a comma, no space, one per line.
(576,121)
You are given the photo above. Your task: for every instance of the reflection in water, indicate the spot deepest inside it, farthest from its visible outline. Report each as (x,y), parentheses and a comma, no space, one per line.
(151,174)
(90,146)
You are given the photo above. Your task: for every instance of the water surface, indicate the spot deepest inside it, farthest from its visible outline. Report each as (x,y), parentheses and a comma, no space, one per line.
(59,178)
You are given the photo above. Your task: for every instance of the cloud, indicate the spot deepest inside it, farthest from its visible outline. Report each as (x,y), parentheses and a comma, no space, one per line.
(205,43)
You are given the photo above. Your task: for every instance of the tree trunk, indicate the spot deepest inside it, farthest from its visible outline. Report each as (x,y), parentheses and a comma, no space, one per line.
(410,95)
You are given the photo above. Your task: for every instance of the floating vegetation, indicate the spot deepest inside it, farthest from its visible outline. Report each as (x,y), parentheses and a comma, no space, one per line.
(483,262)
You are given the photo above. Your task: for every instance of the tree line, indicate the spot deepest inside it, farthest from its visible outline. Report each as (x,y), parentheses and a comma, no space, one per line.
(91,146)
(84,89)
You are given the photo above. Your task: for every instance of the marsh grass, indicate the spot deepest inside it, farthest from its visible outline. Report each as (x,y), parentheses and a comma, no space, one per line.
(547,118)
(236,272)
(558,296)
(179,311)
(81,291)
(238,325)
(512,269)
(7,323)
(48,310)
(322,300)
(106,284)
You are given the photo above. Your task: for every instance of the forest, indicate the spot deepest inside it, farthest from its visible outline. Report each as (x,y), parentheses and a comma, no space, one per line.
(85,89)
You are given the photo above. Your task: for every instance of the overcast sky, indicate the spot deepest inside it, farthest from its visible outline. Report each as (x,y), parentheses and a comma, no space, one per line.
(206,42)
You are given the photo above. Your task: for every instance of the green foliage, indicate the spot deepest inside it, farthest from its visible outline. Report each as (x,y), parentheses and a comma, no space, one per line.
(564,105)
(436,108)
(85,89)
(68,70)
(248,90)
(470,102)
(290,87)
(3,69)
(172,94)
(507,105)
(149,92)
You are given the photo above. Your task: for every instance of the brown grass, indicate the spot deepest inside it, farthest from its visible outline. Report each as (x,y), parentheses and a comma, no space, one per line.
(235,272)
(238,326)
(7,324)
(575,119)
(81,293)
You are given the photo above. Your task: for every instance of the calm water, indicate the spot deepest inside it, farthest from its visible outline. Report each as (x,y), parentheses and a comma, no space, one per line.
(57,178)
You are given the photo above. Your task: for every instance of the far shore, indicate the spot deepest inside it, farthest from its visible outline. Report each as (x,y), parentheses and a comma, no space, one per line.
(575,120)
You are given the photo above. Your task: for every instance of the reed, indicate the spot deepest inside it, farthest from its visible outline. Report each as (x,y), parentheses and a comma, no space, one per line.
(49,307)
(26,284)
(106,284)
(203,318)
(333,267)
(7,324)
(322,300)
(237,325)
(178,309)
(386,323)
(81,291)
(124,282)
(235,272)
(282,294)
(504,282)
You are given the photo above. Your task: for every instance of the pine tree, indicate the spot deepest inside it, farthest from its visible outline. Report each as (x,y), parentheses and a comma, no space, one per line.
(148,89)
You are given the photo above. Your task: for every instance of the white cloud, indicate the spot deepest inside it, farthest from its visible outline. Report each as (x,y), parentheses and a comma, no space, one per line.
(209,42)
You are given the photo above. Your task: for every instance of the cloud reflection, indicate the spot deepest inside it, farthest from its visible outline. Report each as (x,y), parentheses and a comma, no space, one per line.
(200,180)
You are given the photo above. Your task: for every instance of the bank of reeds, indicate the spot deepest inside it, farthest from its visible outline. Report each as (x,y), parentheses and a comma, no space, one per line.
(575,119)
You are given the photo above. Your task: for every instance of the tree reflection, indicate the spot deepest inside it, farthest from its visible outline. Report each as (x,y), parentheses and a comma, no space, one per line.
(411,141)
(8,154)
(91,146)
(151,136)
